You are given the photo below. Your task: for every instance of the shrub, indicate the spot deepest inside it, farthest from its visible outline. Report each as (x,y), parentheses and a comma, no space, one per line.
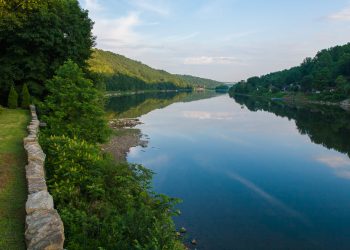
(74,107)
(25,97)
(12,101)
(104,204)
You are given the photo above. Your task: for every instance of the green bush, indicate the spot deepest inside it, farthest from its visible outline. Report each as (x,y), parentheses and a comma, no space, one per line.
(25,97)
(104,204)
(12,101)
(74,107)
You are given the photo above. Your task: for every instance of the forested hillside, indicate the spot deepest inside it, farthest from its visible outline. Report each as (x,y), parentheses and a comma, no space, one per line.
(324,77)
(119,73)
(197,81)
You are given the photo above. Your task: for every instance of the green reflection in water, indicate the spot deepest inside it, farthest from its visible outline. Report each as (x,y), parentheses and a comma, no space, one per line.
(131,106)
(325,125)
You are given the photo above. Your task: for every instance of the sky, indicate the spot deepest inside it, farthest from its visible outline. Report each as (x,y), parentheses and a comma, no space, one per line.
(225,40)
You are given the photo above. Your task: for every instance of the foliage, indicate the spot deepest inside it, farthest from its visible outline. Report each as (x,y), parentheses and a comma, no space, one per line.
(12,100)
(73,106)
(222,88)
(202,82)
(122,74)
(25,97)
(327,76)
(104,204)
(36,37)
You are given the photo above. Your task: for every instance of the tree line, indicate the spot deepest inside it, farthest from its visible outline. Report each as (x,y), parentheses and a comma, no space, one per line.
(326,77)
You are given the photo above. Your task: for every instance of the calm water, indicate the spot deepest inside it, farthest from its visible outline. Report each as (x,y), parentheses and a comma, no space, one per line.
(253,174)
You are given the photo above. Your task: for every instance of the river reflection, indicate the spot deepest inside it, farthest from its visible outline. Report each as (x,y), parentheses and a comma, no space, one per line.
(135,105)
(325,125)
(253,174)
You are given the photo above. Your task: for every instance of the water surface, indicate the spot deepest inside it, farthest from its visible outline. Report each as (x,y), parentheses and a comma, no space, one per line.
(253,174)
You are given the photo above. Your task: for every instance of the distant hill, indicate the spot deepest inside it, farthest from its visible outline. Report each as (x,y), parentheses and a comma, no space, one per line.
(197,81)
(120,73)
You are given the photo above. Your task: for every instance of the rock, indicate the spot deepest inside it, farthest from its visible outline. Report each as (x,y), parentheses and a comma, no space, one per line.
(123,123)
(44,231)
(39,201)
(193,242)
(36,185)
(183,230)
(44,227)
(35,153)
(34,170)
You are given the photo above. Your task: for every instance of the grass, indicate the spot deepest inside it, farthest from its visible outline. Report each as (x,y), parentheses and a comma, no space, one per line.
(13,191)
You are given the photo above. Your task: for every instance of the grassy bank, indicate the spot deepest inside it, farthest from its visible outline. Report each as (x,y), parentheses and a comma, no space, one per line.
(12,178)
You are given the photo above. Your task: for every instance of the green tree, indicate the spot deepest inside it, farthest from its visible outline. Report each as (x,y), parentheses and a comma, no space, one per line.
(74,106)
(25,97)
(38,36)
(12,100)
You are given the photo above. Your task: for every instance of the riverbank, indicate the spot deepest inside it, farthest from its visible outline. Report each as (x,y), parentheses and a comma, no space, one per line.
(13,192)
(124,93)
(300,99)
(124,137)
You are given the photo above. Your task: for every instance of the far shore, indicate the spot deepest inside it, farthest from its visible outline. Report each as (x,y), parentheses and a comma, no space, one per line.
(345,104)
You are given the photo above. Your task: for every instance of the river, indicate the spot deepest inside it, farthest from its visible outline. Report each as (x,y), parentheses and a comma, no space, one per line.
(252,174)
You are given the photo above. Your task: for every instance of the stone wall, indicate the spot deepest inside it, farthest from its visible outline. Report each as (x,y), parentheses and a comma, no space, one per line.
(44,227)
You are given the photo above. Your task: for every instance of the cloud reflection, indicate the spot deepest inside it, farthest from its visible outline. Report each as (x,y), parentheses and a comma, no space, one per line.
(203,115)
(340,164)
(267,197)
(158,161)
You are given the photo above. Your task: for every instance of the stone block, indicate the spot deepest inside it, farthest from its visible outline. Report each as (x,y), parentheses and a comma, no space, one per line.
(39,201)
(44,231)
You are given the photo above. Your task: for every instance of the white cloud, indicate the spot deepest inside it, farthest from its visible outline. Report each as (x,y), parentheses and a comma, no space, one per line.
(343,15)
(205,60)
(119,32)
(152,6)
(93,5)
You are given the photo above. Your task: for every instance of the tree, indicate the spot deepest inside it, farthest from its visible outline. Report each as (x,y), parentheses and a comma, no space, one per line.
(38,36)
(25,97)
(74,106)
(12,100)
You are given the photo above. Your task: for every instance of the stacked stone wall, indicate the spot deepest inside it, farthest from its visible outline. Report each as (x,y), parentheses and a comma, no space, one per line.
(44,227)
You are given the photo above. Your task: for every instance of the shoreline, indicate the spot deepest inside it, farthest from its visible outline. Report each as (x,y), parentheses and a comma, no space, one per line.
(345,104)
(124,137)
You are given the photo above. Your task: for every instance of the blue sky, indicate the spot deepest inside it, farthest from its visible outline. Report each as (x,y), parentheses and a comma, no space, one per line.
(226,40)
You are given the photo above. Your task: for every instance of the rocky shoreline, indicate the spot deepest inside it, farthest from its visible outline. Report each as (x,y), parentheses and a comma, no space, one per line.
(124,137)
